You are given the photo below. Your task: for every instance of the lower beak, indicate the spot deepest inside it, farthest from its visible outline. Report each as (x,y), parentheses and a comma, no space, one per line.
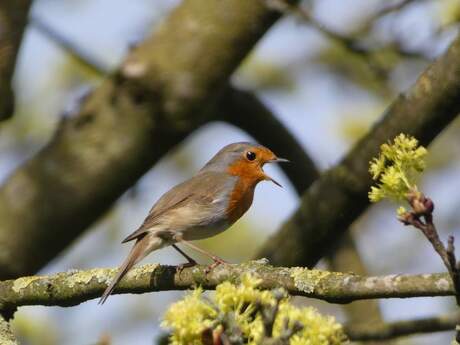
(276,160)
(273,180)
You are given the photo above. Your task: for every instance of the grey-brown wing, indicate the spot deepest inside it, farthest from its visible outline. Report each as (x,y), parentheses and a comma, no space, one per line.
(202,188)
(150,220)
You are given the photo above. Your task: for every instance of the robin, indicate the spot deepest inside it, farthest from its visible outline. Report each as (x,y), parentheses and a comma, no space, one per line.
(203,206)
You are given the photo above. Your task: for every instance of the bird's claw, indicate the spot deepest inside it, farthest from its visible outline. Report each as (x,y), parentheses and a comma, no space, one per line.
(217,262)
(181,267)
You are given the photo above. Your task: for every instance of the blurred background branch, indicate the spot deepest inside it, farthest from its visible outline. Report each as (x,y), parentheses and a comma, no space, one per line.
(355,43)
(423,111)
(13,20)
(391,330)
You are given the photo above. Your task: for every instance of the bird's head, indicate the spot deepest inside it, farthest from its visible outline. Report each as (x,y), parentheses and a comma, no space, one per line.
(244,160)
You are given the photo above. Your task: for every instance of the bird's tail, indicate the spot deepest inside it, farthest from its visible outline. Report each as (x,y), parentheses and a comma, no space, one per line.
(142,247)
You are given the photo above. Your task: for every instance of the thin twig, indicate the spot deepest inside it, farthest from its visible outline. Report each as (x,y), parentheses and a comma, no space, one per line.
(352,43)
(382,12)
(421,217)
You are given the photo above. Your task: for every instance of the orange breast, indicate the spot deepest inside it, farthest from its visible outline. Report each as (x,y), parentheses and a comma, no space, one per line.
(240,199)
(243,192)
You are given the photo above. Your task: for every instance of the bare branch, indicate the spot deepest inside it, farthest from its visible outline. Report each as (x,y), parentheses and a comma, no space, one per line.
(396,329)
(74,287)
(352,43)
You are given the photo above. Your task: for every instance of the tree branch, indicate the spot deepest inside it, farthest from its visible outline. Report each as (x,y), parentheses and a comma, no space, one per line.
(353,43)
(391,330)
(13,19)
(334,201)
(160,94)
(74,287)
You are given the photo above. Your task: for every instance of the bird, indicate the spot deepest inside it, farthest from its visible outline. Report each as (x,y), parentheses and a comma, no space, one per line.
(200,207)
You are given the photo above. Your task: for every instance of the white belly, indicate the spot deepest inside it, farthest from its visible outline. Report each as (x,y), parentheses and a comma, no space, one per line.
(201,232)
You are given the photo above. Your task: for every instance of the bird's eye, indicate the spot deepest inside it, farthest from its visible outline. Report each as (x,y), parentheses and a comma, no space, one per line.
(250,155)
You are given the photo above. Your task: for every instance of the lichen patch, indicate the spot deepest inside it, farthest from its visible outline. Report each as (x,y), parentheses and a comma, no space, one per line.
(307,280)
(24,282)
(442,284)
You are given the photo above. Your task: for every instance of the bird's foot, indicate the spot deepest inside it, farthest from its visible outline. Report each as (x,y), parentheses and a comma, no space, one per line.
(217,261)
(181,267)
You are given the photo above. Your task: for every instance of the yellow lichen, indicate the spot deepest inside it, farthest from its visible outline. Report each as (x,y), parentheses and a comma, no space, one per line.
(24,282)
(144,269)
(307,280)
(83,277)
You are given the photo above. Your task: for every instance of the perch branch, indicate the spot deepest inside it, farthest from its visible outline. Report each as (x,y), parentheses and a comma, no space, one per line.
(74,287)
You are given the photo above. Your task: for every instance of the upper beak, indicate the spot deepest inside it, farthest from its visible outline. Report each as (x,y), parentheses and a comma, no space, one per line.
(276,160)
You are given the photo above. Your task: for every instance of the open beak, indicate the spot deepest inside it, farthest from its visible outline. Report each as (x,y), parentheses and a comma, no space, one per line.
(279,160)
(276,160)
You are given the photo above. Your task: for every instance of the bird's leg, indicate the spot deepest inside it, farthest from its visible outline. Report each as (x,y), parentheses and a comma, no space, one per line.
(191,262)
(216,259)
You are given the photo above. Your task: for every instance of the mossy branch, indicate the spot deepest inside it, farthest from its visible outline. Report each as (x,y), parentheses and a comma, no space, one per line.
(74,287)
